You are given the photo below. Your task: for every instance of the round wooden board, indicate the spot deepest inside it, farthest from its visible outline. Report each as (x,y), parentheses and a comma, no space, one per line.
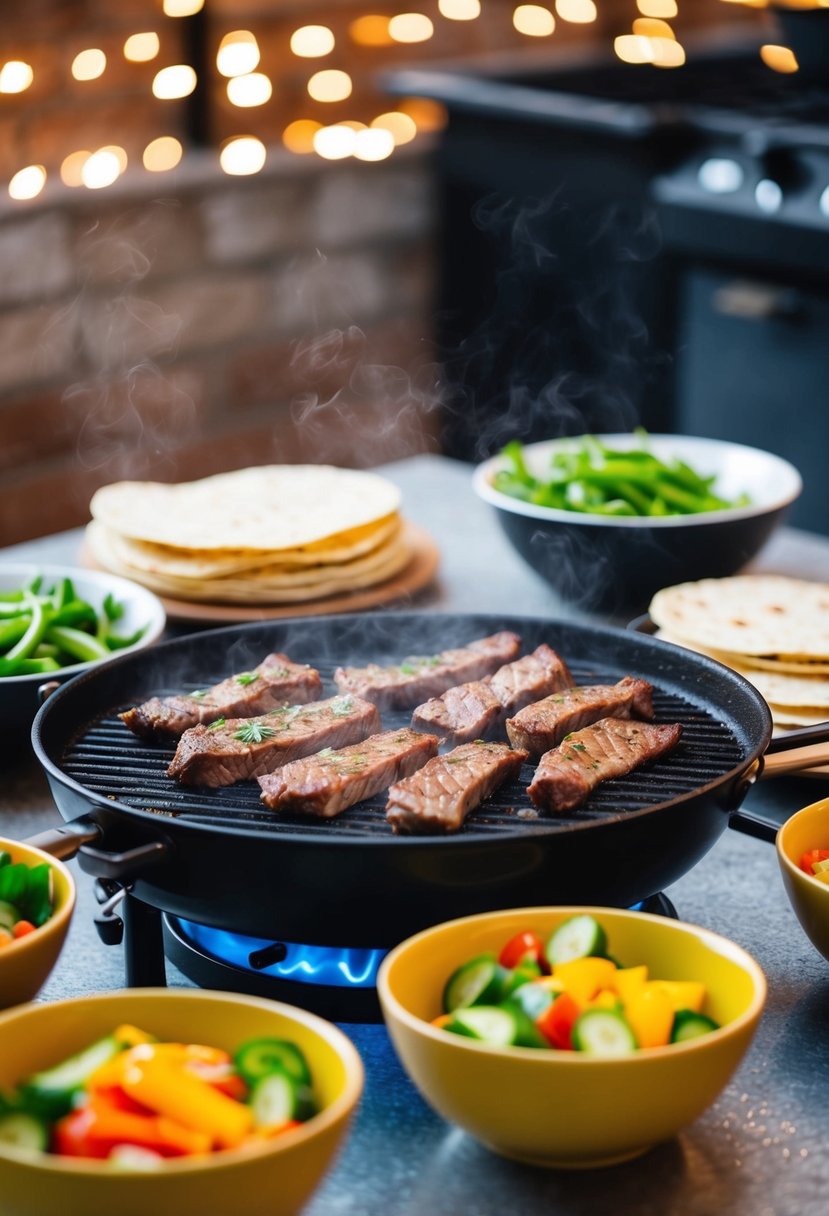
(414,577)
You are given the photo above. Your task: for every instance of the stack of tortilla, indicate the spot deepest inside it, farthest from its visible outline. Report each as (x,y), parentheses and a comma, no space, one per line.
(773,630)
(271,535)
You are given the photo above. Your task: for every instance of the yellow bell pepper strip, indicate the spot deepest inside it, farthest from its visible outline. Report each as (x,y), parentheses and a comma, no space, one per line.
(684,994)
(131,1036)
(606,999)
(584,977)
(170,1089)
(628,981)
(650,1014)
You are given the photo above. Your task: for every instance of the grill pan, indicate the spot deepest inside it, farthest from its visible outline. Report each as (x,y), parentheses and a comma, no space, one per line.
(220,858)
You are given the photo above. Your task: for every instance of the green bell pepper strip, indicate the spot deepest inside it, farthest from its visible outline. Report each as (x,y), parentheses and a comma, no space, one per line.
(81,646)
(41,617)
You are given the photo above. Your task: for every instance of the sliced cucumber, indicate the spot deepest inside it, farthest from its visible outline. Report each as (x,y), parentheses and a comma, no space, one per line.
(50,1093)
(487,1024)
(534,999)
(9,915)
(603,1032)
(254,1060)
(274,1100)
(5,858)
(579,937)
(20,1130)
(690,1025)
(524,973)
(480,981)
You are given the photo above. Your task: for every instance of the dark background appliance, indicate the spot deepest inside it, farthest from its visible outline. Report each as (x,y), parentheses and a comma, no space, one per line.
(218,859)
(626,245)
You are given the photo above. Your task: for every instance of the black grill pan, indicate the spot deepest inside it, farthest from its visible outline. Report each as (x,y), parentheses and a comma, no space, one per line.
(219,857)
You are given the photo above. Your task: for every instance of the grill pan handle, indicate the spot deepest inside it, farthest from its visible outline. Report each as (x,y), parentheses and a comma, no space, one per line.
(64,842)
(123,865)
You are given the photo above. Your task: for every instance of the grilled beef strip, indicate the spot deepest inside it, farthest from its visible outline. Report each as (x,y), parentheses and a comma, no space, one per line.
(331,781)
(419,677)
(543,725)
(477,710)
(567,775)
(234,749)
(439,796)
(275,681)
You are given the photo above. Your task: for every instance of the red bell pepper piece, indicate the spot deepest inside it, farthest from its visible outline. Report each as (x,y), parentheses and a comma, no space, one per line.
(521,947)
(96,1129)
(557,1022)
(811,856)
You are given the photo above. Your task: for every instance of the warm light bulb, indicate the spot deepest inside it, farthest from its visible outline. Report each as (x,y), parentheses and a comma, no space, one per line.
(119,153)
(580,12)
(242,155)
(459,10)
(173,82)
(28,182)
(251,90)
(667,53)
(779,58)
(238,53)
(89,65)
(71,170)
(371,30)
(182,8)
(403,129)
(336,142)
(15,76)
(411,27)
(162,154)
(649,27)
(657,8)
(533,20)
(101,169)
(330,85)
(312,41)
(140,48)
(373,144)
(632,48)
(298,136)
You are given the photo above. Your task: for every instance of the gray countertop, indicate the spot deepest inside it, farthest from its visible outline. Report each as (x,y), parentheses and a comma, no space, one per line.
(759,1151)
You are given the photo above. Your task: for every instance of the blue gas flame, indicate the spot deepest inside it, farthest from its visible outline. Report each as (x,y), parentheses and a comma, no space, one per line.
(335,966)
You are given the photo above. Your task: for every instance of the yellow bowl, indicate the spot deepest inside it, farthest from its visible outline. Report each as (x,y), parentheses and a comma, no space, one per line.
(560,1108)
(25,963)
(273,1178)
(806,829)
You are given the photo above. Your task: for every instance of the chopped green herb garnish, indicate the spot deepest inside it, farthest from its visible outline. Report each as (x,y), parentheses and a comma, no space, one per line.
(247,677)
(579,747)
(215,725)
(254,732)
(342,707)
(198,693)
(326,751)
(276,673)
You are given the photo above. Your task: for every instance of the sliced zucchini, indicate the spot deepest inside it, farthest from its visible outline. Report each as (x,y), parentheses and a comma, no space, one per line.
(603,1032)
(578,937)
(690,1025)
(480,981)
(20,1130)
(50,1093)
(259,1057)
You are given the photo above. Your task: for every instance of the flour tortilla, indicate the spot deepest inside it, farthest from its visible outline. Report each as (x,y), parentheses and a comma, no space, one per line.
(267,509)
(751,615)
(784,715)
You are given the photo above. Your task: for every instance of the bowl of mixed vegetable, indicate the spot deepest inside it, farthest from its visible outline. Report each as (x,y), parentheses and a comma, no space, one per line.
(570,1037)
(803,854)
(167,1101)
(56,621)
(609,519)
(37,896)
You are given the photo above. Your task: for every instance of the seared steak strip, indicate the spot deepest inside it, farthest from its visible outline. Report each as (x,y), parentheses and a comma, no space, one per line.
(331,781)
(276,681)
(419,677)
(439,796)
(539,727)
(566,776)
(233,749)
(477,710)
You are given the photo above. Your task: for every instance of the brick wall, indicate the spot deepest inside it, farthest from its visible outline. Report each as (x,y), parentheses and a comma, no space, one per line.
(176,325)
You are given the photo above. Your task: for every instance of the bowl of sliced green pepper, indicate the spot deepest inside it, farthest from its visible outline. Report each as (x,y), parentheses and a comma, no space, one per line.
(56,621)
(608,520)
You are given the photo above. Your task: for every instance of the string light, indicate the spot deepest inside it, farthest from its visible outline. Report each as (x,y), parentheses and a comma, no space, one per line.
(779,58)
(330,85)
(298,136)
(242,155)
(71,170)
(100,169)
(579,12)
(371,30)
(182,8)
(162,154)
(251,90)
(657,8)
(373,144)
(402,128)
(335,142)
(459,10)
(667,53)
(649,27)
(312,41)
(89,65)
(28,182)
(15,76)
(411,27)
(238,53)
(533,20)
(119,153)
(141,48)
(173,82)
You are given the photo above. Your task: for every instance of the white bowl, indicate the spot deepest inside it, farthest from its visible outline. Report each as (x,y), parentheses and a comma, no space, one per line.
(620,561)
(19,695)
